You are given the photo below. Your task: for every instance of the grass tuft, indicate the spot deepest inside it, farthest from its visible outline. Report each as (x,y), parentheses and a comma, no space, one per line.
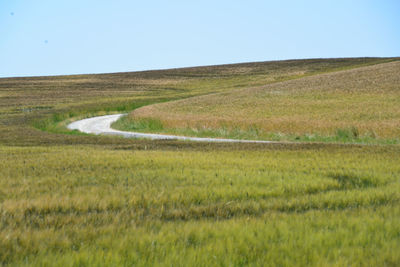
(351,181)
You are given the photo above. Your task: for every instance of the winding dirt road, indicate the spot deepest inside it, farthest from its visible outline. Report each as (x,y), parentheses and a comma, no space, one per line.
(102,125)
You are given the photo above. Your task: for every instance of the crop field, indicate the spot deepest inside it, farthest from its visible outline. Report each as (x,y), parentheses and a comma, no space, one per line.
(360,104)
(72,199)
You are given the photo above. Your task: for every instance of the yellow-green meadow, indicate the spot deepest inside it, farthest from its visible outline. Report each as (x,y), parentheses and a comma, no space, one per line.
(72,199)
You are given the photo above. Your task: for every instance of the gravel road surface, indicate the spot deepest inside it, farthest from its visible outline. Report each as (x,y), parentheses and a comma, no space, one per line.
(102,125)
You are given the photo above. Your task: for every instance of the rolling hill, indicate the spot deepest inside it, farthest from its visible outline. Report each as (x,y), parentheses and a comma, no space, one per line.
(364,101)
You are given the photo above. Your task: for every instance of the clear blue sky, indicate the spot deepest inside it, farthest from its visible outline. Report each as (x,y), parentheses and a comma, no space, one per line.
(68,37)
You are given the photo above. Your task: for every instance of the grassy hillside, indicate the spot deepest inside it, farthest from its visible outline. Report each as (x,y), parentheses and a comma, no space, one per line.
(27,104)
(363,103)
(71,199)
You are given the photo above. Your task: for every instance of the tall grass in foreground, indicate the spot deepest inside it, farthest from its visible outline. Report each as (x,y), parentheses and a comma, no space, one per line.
(71,206)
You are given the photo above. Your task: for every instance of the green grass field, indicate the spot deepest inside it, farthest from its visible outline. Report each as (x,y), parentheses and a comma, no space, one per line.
(72,199)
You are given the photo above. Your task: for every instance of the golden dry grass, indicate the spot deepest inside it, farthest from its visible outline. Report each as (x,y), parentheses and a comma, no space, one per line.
(367,98)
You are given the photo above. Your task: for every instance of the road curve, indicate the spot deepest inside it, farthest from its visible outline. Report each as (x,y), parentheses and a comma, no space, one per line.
(102,125)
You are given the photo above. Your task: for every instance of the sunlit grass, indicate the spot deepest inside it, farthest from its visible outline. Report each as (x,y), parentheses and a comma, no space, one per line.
(71,199)
(358,105)
(69,205)
(252,132)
